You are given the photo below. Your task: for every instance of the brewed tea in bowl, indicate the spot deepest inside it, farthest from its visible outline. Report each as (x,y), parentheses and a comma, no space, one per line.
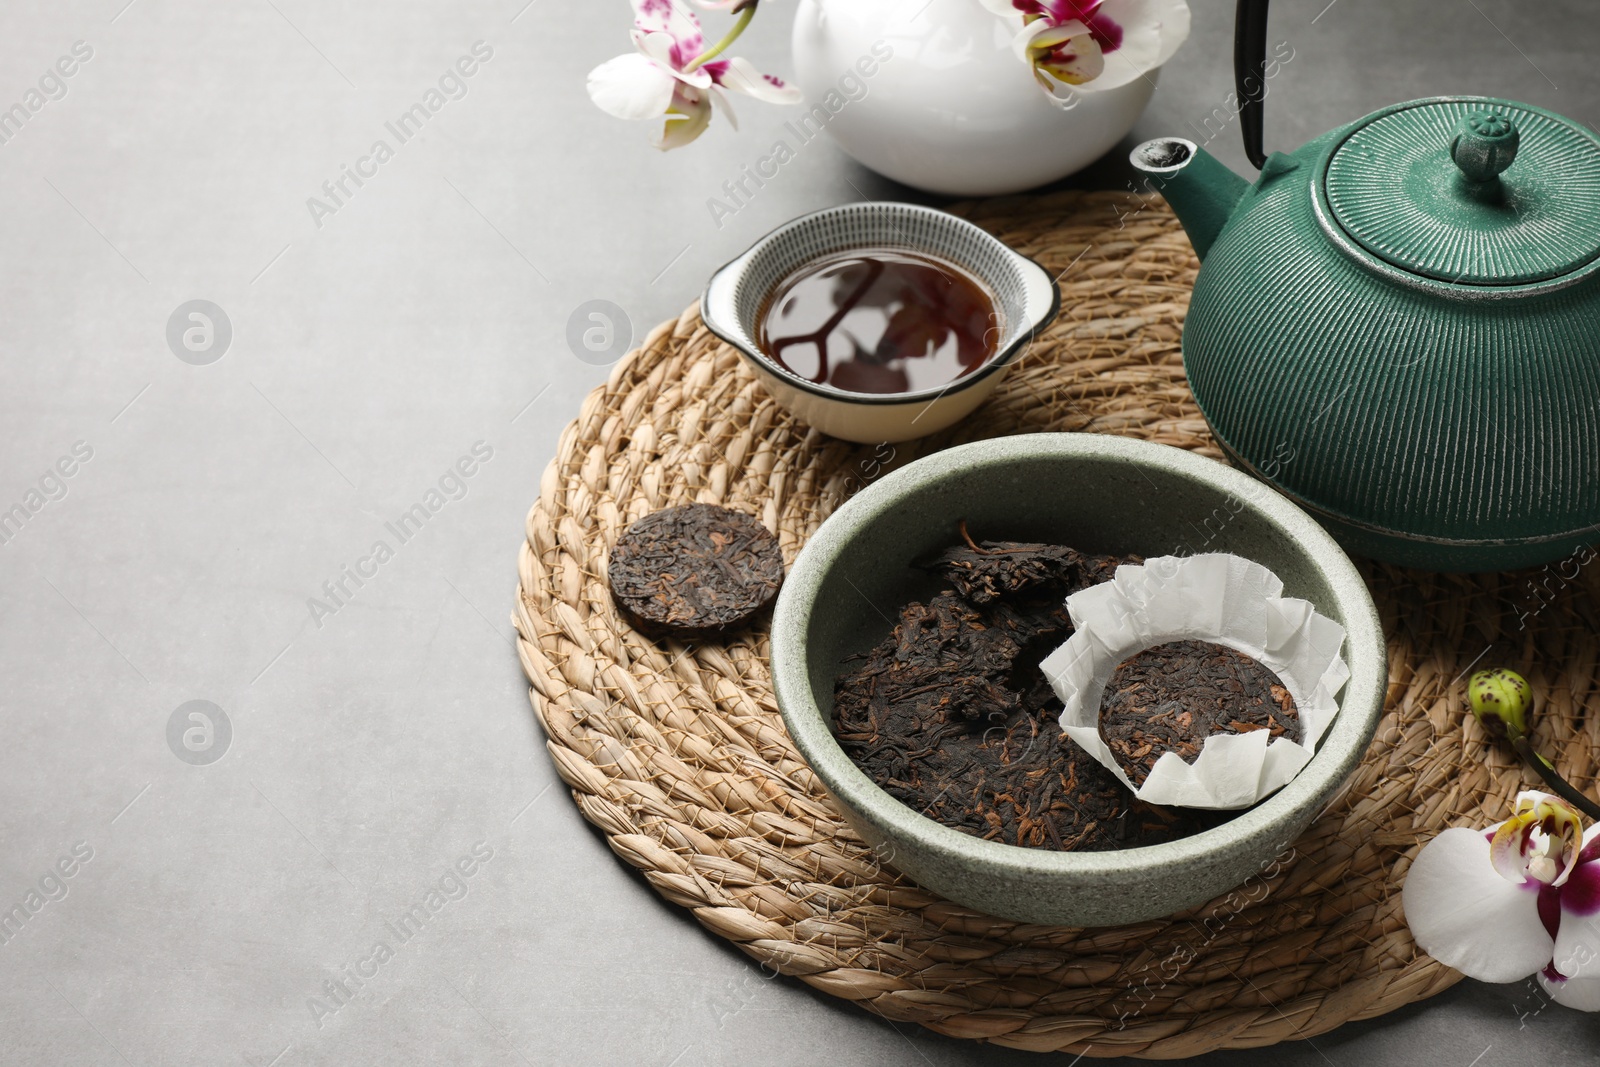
(880,322)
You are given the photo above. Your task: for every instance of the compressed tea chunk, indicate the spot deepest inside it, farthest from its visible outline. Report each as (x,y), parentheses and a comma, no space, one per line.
(694,571)
(951,714)
(1170,698)
(985,573)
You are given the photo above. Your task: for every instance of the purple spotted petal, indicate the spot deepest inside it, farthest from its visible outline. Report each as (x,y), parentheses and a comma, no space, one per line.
(741,76)
(660,49)
(676,21)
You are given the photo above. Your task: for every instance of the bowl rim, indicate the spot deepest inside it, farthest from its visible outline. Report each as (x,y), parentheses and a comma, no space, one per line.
(1343,747)
(720,278)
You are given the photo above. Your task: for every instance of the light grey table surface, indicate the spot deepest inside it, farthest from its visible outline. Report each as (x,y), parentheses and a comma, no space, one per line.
(381,740)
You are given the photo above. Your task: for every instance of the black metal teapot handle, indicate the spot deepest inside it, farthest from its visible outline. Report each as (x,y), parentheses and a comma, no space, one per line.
(1249,68)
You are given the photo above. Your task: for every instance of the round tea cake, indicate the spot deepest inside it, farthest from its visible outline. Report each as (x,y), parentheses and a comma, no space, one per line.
(694,571)
(1170,698)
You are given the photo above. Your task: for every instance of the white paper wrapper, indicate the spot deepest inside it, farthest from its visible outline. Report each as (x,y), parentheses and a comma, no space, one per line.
(1215,597)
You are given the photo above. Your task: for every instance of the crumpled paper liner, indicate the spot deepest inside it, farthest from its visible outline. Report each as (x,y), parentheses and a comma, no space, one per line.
(1216,597)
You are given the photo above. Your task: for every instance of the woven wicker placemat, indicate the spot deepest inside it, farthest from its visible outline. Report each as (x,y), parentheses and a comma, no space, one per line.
(679,756)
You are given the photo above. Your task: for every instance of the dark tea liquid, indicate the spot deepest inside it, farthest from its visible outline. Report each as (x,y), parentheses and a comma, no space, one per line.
(879,321)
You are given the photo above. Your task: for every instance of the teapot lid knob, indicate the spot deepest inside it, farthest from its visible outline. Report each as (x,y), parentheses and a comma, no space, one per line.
(1416,186)
(1485,144)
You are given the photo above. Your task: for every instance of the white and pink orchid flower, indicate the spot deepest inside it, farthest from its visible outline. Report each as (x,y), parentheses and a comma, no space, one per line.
(666,79)
(1517,899)
(1094,45)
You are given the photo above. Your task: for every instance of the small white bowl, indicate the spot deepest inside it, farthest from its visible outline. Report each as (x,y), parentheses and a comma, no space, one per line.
(1025,296)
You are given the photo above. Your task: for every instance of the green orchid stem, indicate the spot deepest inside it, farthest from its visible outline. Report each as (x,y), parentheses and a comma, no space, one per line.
(1562,787)
(745,15)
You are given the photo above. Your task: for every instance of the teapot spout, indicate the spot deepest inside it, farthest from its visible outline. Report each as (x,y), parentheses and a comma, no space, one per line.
(1200,189)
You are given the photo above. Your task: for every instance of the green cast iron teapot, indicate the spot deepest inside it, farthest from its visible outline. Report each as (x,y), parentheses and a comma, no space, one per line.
(1398,324)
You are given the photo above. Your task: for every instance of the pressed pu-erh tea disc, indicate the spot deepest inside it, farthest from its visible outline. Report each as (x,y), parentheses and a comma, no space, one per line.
(694,571)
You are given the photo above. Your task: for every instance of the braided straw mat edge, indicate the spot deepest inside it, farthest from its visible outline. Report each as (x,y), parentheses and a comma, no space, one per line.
(679,756)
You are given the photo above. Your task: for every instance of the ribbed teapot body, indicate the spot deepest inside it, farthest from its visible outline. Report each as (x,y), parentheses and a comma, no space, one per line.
(1426,424)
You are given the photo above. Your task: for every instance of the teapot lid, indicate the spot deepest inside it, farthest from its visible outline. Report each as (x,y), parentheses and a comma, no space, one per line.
(1469,190)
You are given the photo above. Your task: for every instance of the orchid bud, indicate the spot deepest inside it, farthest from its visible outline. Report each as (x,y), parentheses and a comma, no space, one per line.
(1502,701)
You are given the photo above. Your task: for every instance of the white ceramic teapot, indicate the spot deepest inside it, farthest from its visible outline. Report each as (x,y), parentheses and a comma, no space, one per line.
(932,94)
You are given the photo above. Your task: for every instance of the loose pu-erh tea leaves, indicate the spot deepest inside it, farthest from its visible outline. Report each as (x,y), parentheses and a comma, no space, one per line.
(694,571)
(951,715)
(1170,698)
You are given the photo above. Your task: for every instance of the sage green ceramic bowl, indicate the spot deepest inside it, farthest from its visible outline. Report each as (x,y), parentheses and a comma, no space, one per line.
(1100,494)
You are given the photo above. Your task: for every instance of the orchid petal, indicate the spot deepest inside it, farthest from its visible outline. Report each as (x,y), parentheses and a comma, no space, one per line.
(1054,35)
(1024,39)
(1152,32)
(722,105)
(1577,948)
(1022,43)
(687,119)
(674,20)
(1080,66)
(1466,916)
(742,76)
(658,48)
(1540,841)
(1065,52)
(1055,11)
(1577,953)
(1076,62)
(1580,993)
(1061,10)
(631,87)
